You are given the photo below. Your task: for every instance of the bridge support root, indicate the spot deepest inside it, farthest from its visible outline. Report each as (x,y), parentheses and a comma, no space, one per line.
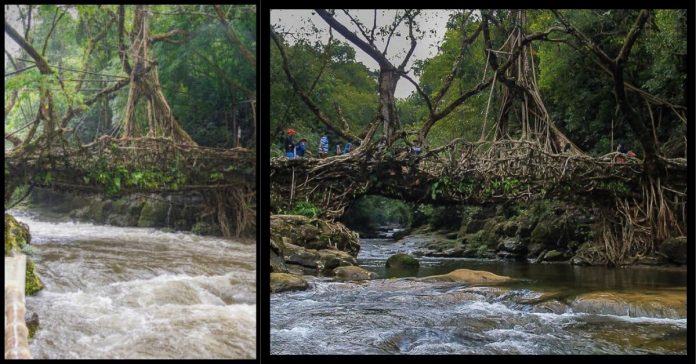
(236,212)
(634,228)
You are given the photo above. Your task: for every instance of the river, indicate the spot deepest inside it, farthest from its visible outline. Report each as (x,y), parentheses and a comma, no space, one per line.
(114,292)
(404,316)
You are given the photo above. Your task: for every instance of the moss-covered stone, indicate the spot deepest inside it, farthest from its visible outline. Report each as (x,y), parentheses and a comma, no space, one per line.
(16,235)
(402,261)
(315,233)
(153,214)
(353,273)
(206,228)
(674,249)
(33,282)
(32,324)
(281,282)
(554,255)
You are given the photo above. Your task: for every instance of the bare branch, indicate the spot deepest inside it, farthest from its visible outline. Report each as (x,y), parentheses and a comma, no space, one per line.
(420,91)
(353,38)
(323,118)
(53,27)
(40,61)
(165,36)
(411,17)
(232,36)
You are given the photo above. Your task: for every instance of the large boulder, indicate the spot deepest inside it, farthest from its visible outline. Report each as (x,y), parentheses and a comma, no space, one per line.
(315,233)
(281,282)
(154,213)
(353,273)
(17,238)
(674,249)
(658,304)
(402,261)
(468,276)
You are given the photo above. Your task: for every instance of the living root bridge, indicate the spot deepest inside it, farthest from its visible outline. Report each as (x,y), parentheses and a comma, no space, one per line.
(122,166)
(459,173)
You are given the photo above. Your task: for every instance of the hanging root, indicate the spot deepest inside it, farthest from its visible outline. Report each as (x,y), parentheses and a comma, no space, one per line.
(635,228)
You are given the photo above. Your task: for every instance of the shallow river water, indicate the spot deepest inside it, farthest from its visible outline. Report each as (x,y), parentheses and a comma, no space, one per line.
(396,315)
(114,292)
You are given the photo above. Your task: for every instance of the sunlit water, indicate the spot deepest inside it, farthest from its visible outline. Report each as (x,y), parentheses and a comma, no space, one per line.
(114,292)
(403,316)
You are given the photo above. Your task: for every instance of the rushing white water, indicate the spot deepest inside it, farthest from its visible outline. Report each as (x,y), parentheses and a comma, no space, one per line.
(114,292)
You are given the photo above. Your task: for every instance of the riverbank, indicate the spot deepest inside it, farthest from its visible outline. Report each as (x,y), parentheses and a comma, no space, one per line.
(173,212)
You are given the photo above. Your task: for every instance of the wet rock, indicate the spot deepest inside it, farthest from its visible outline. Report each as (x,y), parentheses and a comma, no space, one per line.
(674,249)
(32,321)
(658,304)
(512,245)
(319,260)
(353,273)
(315,233)
(206,228)
(653,260)
(474,226)
(154,213)
(554,256)
(468,276)
(282,282)
(402,261)
(17,238)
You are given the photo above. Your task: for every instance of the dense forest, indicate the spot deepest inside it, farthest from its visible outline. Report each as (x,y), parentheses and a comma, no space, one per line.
(205,57)
(582,106)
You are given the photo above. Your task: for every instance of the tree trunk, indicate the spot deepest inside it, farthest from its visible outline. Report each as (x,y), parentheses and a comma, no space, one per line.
(387,103)
(161,121)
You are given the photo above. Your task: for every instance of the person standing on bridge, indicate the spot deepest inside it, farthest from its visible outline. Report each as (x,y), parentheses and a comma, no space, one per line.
(621,149)
(324,145)
(300,148)
(290,144)
(347,148)
(338,149)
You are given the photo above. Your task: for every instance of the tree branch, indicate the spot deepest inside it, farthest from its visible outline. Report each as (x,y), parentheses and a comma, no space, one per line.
(323,118)
(121,46)
(40,61)
(353,38)
(232,36)
(165,36)
(410,17)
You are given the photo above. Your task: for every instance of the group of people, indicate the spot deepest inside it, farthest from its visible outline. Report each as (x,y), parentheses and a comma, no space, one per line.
(299,149)
(623,153)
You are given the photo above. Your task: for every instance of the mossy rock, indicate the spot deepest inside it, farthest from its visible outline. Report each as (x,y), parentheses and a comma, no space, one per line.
(153,214)
(33,282)
(315,233)
(674,249)
(282,282)
(32,324)
(658,304)
(554,256)
(548,232)
(16,235)
(353,273)
(95,212)
(206,228)
(402,261)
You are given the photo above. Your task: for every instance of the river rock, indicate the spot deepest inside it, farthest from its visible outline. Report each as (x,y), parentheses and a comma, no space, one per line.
(17,238)
(353,273)
(554,256)
(402,261)
(315,233)
(658,304)
(281,282)
(674,249)
(468,276)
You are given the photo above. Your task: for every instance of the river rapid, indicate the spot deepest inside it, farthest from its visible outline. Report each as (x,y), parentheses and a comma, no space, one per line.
(115,292)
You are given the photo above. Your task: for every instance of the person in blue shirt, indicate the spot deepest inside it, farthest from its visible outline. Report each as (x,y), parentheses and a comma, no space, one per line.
(347,148)
(300,148)
(290,144)
(324,146)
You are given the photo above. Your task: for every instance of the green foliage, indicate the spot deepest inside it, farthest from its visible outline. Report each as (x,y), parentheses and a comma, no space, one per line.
(307,209)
